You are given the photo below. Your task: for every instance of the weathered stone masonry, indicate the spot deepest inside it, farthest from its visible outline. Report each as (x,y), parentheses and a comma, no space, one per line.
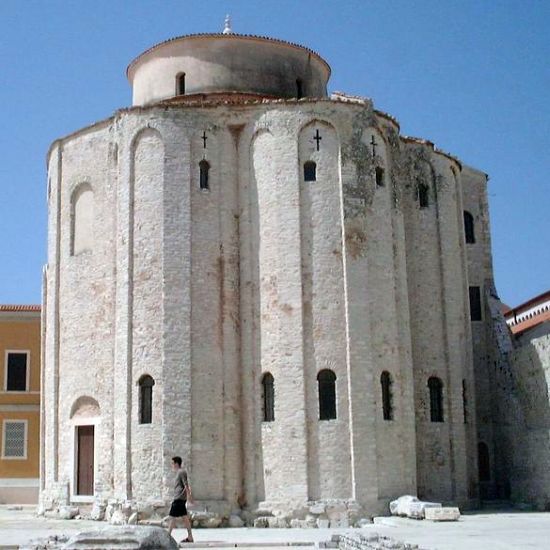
(207,290)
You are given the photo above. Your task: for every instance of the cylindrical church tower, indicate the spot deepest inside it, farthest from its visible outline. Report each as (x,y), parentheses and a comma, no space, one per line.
(250,274)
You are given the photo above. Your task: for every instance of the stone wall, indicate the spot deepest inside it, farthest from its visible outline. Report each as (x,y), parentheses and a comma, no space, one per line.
(207,290)
(522,413)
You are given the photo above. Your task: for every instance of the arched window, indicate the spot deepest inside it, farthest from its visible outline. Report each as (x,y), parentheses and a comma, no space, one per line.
(299,88)
(436,399)
(204,168)
(483,462)
(379,172)
(146,384)
(327,394)
(469,228)
(82,210)
(387,408)
(268,397)
(180,84)
(310,171)
(423,192)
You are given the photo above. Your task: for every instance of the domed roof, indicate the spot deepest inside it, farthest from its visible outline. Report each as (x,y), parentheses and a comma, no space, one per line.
(227,62)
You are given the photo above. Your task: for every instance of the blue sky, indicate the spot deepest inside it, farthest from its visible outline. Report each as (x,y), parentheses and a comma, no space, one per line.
(472,76)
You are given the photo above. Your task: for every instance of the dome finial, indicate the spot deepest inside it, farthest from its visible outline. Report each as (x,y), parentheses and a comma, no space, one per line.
(227,25)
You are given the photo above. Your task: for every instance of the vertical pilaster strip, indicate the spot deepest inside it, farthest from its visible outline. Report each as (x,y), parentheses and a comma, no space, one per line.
(451,302)
(362,412)
(248,300)
(123,320)
(468,365)
(56,340)
(176,296)
(43,319)
(229,265)
(284,441)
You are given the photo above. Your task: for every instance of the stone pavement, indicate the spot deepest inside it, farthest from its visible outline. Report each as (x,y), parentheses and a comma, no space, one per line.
(481,530)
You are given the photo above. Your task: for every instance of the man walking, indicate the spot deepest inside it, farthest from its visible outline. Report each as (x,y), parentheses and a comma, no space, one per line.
(182,496)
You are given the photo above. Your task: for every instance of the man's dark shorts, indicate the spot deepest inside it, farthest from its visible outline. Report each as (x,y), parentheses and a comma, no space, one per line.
(178,509)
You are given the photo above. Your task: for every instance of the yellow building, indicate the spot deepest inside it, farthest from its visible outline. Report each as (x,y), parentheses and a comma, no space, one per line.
(19,404)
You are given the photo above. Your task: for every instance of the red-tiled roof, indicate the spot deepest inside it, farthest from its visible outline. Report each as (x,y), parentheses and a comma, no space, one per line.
(530,323)
(535,318)
(531,302)
(504,308)
(19,307)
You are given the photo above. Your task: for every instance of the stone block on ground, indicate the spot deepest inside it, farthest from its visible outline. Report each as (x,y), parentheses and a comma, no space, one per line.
(53,541)
(235,521)
(98,511)
(133,519)
(317,508)
(206,520)
(67,512)
(118,518)
(411,507)
(261,522)
(363,522)
(145,510)
(323,523)
(446,513)
(129,537)
(341,522)
(278,522)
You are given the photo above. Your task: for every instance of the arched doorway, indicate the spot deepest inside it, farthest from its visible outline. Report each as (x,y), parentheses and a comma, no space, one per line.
(84,416)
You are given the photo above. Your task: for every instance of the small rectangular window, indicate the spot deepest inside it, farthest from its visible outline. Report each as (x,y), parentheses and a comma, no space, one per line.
(16,370)
(379,176)
(14,440)
(475,303)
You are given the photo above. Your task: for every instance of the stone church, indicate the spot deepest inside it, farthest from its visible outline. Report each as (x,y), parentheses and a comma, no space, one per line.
(268,280)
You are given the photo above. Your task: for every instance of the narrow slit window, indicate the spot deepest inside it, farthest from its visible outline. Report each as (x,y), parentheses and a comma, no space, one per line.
(464,402)
(483,462)
(299,88)
(475,303)
(386,383)
(146,384)
(327,394)
(310,171)
(423,195)
(436,399)
(268,397)
(204,168)
(379,172)
(469,232)
(180,84)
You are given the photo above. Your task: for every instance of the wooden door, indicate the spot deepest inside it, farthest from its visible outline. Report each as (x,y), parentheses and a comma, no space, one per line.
(85,460)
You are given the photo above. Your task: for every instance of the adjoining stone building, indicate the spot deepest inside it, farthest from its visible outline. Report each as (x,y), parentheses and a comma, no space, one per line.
(515,460)
(267,280)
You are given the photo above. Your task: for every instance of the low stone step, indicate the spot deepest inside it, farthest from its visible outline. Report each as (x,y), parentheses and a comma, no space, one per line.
(221,544)
(248,545)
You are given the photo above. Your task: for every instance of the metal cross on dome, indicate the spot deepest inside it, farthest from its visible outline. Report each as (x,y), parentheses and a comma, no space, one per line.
(317,138)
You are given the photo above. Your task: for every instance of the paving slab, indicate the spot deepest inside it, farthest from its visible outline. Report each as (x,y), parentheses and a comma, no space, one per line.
(500,530)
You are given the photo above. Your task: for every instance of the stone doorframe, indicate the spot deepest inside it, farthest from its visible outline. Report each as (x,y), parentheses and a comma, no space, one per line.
(85,412)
